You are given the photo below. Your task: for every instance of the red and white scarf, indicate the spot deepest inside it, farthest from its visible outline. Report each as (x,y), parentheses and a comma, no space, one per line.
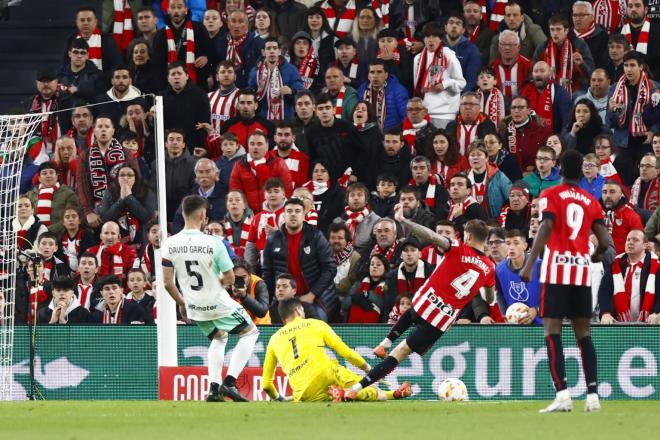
(365,287)
(430,74)
(354,218)
(642,45)
(377,100)
(122,25)
(145,260)
(410,131)
(586,34)
(608,13)
(172,54)
(45,203)
(353,70)
(269,83)
(561,60)
(493,106)
(312,217)
(223,106)
(345,23)
(85,294)
(292,162)
(234,50)
(117,317)
(110,260)
(339,106)
(429,199)
(382,8)
(95,43)
(343,255)
(608,171)
(389,254)
(317,188)
(129,224)
(272,219)
(71,247)
(50,128)
(479,189)
(432,255)
(544,108)
(405,286)
(623,289)
(245,232)
(344,180)
(620,96)
(102,167)
(651,198)
(497,15)
(309,67)
(259,168)
(465,133)
(464,205)
(409,26)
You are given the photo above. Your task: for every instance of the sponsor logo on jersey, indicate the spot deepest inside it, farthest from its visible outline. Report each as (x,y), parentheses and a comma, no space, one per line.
(439,303)
(202,308)
(571,260)
(518,291)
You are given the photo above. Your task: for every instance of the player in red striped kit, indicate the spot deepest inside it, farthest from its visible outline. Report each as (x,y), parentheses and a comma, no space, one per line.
(568,215)
(464,271)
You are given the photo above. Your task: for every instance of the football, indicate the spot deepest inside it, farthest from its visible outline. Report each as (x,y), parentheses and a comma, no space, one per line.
(516,312)
(452,390)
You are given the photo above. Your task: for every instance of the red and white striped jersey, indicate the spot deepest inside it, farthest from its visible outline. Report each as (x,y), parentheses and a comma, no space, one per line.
(432,255)
(566,259)
(223,107)
(459,277)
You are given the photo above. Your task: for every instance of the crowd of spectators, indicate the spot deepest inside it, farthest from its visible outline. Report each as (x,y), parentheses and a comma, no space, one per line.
(458,110)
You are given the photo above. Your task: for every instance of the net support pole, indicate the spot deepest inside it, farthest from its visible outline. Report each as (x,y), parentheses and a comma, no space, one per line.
(166,307)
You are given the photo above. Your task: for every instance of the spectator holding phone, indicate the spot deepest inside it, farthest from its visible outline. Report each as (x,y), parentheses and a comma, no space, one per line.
(251,292)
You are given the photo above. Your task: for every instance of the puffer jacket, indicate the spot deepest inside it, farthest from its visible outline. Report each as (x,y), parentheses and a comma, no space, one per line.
(317,264)
(396,99)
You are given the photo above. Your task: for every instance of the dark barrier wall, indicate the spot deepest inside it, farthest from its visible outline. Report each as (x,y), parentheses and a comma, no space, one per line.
(495,362)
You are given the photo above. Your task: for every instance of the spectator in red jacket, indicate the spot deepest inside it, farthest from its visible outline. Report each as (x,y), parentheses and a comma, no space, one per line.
(113,257)
(251,171)
(621,216)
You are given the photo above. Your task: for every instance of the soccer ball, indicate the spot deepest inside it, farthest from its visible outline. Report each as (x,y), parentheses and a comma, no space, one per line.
(452,390)
(516,312)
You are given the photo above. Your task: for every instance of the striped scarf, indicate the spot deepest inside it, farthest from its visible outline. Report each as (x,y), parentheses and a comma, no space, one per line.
(608,13)
(382,8)
(405,286)
(354,218)
(234,50)
(95,52)
(343,255)
(101,167)
(643,40)
(84,293)
(317,188)
(259,168)
(292,163)
(608,171)
(117,317)
(432,255)
(433,182)
(463,205)
(466,133)
(239,247)
(429,75)
(45,203)
(339,106)
(561,60)
(71,248)
(269,83)
(172,49)
(309,67)
(623,289)
(497,14)
(341,25)
(365,286)
(110,260)
(122,25)
(389,254)
(146,264)
(50,128)
(586,34)
(493,106)
(377,99)
(344,180)
(410,131)
(620,95)
(312,217)
(651,198)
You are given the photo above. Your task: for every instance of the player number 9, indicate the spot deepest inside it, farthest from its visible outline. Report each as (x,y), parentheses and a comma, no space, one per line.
(574,217)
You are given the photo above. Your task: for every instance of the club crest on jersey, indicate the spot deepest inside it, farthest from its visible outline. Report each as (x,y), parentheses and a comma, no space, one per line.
(277,249)
(518,291)
(571,260)
(307,250)
(619,221)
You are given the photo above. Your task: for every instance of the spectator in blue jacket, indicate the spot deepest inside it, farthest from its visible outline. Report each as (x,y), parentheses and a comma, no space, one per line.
(276,81)
(240,46)
(510,288)
(592,181)
(386,94)
(467,53)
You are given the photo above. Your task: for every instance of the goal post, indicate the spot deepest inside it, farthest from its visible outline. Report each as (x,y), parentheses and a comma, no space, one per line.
(16,132)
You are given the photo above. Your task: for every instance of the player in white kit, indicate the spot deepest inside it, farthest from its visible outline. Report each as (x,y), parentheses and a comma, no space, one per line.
(204,273)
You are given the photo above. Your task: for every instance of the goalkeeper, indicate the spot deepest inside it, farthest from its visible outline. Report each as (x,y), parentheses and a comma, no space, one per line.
(299,346)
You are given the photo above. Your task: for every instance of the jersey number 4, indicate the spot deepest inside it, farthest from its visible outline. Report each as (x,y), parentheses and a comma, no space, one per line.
(464,283)
(199,285)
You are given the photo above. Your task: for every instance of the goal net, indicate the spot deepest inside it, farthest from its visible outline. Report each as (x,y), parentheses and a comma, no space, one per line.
(16,131)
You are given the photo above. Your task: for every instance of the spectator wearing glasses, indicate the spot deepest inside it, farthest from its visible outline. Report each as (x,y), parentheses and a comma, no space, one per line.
(586,28)
(80,76)
(546,174)
(645,192)
(592,181)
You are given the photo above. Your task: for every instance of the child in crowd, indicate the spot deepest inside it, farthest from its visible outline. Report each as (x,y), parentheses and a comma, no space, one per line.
(491,98)
(403,304)
(86,281)
(382,200)
(75,239)
(593,181)
(231,152)
(138,294)
(131,143)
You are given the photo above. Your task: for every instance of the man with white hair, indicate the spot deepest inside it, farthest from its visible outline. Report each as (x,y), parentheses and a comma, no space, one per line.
(511,68)
(586,28)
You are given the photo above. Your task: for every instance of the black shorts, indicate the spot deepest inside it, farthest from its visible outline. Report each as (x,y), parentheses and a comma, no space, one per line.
(559,301)
(423,335)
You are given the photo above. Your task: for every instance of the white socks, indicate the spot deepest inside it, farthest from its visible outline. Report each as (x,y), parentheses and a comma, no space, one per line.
(242,352)
(217,358)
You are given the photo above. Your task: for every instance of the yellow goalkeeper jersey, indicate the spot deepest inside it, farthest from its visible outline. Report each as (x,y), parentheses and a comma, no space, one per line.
(299,347)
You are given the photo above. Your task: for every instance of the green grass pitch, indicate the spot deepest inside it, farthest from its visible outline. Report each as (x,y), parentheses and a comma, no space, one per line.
(410,420)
